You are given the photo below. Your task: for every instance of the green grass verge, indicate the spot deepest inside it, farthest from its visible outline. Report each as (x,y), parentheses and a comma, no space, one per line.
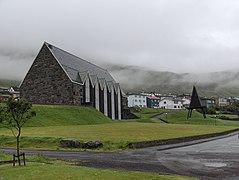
(51,169)
(53,172)
(115,136)
(179,117)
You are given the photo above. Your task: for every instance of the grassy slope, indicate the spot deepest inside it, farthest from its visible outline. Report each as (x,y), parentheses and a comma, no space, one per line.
(56,115)
(179,117)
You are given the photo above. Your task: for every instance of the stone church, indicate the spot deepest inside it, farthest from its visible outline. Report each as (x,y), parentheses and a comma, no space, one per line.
(58,77)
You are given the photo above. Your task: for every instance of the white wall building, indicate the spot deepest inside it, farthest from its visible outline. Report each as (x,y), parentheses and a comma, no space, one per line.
(168,103)
(222,101)
(186,102)
(137,100)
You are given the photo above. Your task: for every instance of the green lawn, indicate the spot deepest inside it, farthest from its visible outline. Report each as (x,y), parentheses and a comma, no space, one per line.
(114,135)
(180,117)
(85,123)
(60,171)
(120,131)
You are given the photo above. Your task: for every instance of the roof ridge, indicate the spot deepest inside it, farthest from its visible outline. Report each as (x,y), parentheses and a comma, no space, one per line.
(74,56)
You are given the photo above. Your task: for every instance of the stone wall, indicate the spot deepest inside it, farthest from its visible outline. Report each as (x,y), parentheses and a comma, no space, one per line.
(47,83)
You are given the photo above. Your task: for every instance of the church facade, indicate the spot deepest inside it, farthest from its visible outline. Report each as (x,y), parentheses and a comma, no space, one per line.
(58,77)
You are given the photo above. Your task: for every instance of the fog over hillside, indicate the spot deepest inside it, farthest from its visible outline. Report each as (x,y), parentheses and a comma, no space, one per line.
(136,79)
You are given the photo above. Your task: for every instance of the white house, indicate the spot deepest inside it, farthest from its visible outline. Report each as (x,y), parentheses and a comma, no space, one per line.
(186,102)
(169,103)
(137,100)
(222,101)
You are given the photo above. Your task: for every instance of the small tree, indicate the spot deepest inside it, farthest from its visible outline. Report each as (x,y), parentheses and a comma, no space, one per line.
(14,115)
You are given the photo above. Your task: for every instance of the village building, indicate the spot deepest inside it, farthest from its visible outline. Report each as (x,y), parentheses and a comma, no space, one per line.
(232,100)
(221,101)
(58,77)
(15,91)
(208,102)
(153,101)
(169,103)
(137,100)
(4,93)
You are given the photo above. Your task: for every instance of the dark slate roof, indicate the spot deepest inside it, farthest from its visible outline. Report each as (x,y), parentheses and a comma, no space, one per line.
(74,65)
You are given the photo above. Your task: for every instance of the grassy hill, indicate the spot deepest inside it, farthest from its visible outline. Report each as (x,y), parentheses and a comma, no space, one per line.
(58,115)
(8,83)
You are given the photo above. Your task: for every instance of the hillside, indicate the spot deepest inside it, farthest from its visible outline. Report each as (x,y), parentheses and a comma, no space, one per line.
(136,79)
(8,83)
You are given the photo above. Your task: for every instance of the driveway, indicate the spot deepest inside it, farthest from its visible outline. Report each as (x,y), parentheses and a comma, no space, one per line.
(216,158)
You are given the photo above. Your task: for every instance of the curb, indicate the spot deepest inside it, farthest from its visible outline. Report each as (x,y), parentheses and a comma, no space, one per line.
(143,144)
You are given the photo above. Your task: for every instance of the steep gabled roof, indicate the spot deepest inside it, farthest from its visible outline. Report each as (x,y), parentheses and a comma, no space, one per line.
(75,66)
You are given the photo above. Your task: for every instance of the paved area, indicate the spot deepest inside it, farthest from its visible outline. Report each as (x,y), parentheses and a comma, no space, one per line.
(216,158)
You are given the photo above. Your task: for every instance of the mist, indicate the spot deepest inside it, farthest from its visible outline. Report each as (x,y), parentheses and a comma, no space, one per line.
(165,35)
(135,79)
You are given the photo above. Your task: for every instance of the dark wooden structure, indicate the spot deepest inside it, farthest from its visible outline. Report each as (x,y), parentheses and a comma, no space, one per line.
(195,104)
(19,160)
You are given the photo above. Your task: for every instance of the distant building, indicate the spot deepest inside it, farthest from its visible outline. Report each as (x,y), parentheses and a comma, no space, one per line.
(232,100)
(4,93)
(153,101)
(15,91)
(208,102)
(4,97)
(169,103)
(58,77)
(186,98)
(221,101)
(4,88)
(137,100)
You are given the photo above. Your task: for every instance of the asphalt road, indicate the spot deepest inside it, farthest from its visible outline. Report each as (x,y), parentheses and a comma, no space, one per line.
(205,159)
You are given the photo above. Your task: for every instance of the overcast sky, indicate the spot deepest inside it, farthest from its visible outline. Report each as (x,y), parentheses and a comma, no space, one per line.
(165,35)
